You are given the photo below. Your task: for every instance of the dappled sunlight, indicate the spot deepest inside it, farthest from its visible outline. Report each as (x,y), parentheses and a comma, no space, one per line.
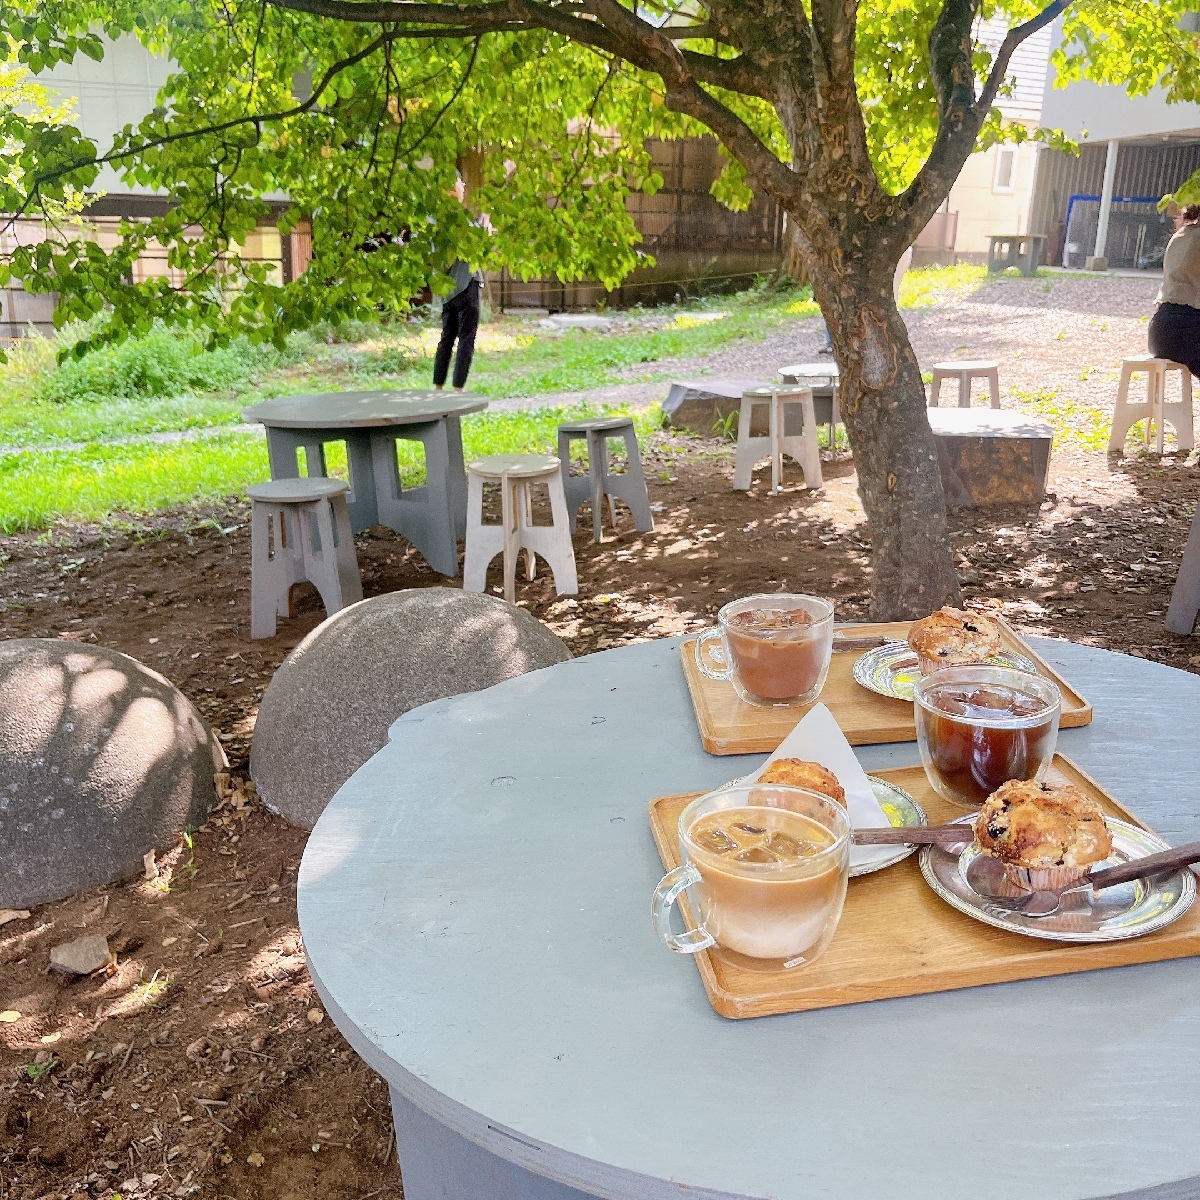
(144,737)
(32,702)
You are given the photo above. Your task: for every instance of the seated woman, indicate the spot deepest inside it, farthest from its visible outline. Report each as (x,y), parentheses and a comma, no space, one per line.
(1175,327)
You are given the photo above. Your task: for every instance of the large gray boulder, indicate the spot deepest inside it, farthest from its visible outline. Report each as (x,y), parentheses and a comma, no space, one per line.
(328,708)
(101,760)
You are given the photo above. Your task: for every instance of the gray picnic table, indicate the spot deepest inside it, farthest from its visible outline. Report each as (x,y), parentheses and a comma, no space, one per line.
(475,905)
(433,517)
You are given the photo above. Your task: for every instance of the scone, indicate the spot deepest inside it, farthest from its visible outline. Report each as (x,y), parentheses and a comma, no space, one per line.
(796,772)
(1046,836)
(952,637)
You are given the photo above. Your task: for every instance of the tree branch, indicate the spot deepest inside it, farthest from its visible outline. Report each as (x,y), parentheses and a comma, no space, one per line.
(1012,40)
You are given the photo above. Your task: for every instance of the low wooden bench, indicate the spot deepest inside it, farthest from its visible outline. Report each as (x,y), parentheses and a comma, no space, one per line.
(988,456)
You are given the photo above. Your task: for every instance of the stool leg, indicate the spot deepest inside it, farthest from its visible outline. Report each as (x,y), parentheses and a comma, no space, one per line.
(1122,419)
(481,539)
(286,556)
(773,423)
(1184,431)
(561,556)
(935,389)
(347,561)
(1160,404)
(264,575)
(597,450)
(636,495)
(524,524)
(320,566)
(743,465)
(994,386)
(964,390)
(812,447)
(509,511)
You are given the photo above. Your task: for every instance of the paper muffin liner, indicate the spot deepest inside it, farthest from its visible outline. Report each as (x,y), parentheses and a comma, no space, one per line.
(927,666)
(1044,879)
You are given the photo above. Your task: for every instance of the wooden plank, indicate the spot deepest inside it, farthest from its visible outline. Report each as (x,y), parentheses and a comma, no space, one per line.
(728,725)
(898,938)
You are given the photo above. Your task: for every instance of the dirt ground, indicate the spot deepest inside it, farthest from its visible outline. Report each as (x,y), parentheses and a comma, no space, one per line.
(202,1063)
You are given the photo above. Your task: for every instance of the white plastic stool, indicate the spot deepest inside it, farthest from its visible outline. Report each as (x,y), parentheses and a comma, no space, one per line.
(803,448)
(1155,411)
(964,371)
(516,531)
(299,530)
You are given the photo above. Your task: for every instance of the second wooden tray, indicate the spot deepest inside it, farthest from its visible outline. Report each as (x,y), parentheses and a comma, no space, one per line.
(728,725)
(897,938)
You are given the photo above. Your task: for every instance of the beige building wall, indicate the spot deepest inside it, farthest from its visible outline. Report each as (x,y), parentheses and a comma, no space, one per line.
(992,196)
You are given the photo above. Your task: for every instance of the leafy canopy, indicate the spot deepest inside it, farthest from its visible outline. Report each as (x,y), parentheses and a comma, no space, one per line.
(280,116)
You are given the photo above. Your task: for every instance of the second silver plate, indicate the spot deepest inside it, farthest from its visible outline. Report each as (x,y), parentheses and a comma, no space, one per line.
(891,669)
(975,885)
(901,810)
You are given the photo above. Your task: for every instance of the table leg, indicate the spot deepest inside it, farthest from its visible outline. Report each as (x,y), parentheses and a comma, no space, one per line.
(1185,596)
(424,515)
(438,1164)
(361,503)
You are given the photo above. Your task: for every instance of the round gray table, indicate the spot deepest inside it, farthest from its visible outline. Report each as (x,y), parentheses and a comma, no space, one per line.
(475,903)
(433,517)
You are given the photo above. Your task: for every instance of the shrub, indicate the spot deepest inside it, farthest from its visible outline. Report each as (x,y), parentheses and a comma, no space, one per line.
(162,365)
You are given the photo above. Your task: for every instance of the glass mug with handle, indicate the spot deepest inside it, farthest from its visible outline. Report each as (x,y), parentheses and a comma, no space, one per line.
(774,647)
(765,867)
(980,726)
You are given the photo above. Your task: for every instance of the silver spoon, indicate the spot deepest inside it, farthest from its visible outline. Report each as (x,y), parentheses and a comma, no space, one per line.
(1044,903)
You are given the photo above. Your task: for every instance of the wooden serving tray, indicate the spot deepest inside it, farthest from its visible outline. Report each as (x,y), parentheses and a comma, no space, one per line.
(898,938)
(728,725)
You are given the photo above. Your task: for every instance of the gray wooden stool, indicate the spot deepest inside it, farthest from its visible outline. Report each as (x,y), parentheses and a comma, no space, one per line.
(964,371)
(299,530)
(629,486)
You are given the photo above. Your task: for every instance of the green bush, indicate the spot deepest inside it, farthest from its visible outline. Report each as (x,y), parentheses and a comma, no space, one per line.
(162,365)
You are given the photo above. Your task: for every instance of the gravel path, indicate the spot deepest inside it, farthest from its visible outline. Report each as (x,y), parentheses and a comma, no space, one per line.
(1056,334)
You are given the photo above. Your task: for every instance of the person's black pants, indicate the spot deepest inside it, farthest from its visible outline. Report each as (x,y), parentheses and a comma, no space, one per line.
(1174,333)
(460,319)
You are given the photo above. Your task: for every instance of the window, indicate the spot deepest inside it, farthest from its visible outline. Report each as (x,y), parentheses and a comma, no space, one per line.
(1006,169)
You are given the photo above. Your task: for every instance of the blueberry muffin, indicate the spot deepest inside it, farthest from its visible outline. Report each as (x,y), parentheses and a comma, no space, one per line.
(952,637)
(1046,836)
(796,772)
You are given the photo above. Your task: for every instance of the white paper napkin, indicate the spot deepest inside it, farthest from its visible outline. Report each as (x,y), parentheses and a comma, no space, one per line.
(818,739)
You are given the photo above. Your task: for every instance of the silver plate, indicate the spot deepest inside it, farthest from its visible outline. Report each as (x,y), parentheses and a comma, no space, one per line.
(902,811)
(891,669)
(972,883)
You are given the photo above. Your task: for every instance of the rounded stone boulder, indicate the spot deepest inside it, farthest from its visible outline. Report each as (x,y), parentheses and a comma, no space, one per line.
(328,707)
(101,760)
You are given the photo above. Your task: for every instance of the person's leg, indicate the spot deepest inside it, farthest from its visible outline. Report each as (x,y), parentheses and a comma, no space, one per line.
(441,359)
(1174,334)
(468,325)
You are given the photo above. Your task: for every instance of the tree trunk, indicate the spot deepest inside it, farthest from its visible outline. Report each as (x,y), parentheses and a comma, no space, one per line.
(883,407)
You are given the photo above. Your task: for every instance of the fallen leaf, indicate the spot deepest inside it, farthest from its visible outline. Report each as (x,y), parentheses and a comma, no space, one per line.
(150,865)
(169,941)
(315,1016)
(9,1015)
(51,1038)
(255,1159)
(12,914)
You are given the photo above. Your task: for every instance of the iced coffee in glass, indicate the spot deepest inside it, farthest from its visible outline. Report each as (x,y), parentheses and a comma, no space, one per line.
(774,648)
(765,867)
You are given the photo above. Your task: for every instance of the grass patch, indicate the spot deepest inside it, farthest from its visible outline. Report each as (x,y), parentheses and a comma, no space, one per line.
(927,286)
(26,423)
(40,487)
(1074,424)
